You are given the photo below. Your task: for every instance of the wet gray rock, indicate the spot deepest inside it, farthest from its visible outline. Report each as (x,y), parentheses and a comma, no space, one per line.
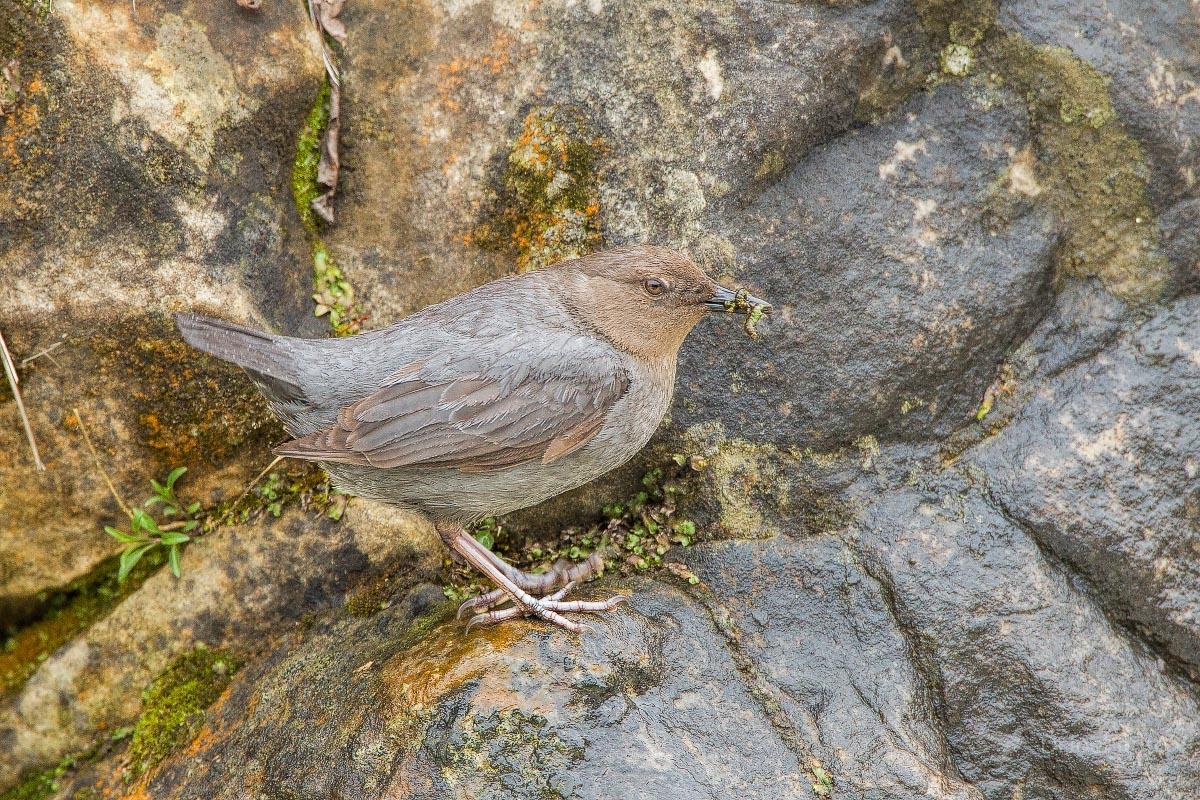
(1036,690)
(1102,467)
(422,710)
(890,227)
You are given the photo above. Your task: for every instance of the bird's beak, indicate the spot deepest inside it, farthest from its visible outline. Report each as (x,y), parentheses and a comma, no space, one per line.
(740,301)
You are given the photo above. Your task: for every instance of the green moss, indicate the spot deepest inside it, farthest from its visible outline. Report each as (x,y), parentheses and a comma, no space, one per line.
(174,703)
(549,206)
(40,785)
(961,22)
(1092,172)
(67,612)
(308,157)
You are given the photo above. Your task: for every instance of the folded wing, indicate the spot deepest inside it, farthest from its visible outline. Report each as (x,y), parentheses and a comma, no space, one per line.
(471,418)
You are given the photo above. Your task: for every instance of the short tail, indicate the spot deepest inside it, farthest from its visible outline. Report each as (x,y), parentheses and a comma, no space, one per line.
(267,358)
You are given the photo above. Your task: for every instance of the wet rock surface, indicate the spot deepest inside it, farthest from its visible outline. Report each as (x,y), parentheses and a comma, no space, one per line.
(946,507)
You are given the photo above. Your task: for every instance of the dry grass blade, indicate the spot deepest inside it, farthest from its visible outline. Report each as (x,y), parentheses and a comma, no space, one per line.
(10,371)
(96,457)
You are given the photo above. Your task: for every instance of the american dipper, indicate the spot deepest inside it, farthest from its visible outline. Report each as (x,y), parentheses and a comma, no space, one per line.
(491,401)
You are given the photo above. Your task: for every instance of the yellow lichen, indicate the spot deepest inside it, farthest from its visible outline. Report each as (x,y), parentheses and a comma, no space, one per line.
(549,208)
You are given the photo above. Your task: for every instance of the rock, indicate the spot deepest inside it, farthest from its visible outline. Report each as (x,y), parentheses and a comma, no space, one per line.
(146,161)
(1036,691)
(492,134)
(1101,466)
(945,508)
(1155,73)
(891,226)
(658,692)
(243,588)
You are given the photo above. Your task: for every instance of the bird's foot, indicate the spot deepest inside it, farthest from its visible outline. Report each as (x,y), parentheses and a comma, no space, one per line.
(550,608)
(511,582)
(563,572)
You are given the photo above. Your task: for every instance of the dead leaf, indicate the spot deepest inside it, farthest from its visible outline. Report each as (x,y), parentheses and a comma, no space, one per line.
(323,14)
(329,165)
(253,5)
(326,13)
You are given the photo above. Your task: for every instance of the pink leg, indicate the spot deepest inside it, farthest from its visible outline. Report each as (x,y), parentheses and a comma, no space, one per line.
(524,604)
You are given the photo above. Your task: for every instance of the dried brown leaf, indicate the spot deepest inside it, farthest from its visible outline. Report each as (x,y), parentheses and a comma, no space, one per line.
(253,5)
(323,14)
(326,12)
(329,165)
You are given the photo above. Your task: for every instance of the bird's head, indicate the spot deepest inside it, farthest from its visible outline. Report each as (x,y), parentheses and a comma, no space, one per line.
(644,299)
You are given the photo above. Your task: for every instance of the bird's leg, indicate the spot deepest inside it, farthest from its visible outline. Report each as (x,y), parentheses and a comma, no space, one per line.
(463,543)
(503,574)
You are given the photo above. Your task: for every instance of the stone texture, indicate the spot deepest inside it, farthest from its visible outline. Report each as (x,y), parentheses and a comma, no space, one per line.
(146,169)
(891,227)
(678,108)
(243,588)
(1037,692)
(1149,52)
(1102,465)
(947,527)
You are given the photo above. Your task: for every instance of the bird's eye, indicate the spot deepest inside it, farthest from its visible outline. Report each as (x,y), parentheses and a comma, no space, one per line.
(654,286)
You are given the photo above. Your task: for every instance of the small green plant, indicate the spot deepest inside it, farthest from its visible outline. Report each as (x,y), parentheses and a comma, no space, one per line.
(146,533)
(634,535)
(822,780)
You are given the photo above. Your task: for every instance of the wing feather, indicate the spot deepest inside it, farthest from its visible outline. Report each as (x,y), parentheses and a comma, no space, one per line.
(472,415)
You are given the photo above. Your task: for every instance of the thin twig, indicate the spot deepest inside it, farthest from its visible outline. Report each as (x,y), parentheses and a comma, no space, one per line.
(10,372)
(95,457)
(45,351)
(326,56)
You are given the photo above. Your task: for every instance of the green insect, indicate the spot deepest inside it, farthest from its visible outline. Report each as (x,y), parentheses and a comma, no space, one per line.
(754,311)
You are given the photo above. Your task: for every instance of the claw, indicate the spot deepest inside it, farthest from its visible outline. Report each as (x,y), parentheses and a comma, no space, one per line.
(483,601)
(523,588)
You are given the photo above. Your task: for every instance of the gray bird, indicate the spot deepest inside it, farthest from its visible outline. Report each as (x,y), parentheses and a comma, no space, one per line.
(491,401)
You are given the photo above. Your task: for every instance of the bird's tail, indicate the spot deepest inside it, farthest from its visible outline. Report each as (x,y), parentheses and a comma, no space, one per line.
(267,358)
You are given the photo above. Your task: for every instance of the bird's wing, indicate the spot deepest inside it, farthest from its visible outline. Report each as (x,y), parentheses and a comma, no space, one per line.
(489,406)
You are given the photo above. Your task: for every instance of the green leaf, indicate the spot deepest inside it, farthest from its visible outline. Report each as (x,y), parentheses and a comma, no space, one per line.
(485,539)
(173,559)
(194,507)
(174,538)
(122,536)
(129,559)
(142,520)
(159,489)
(174,476)
(151,502)
(190,525)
